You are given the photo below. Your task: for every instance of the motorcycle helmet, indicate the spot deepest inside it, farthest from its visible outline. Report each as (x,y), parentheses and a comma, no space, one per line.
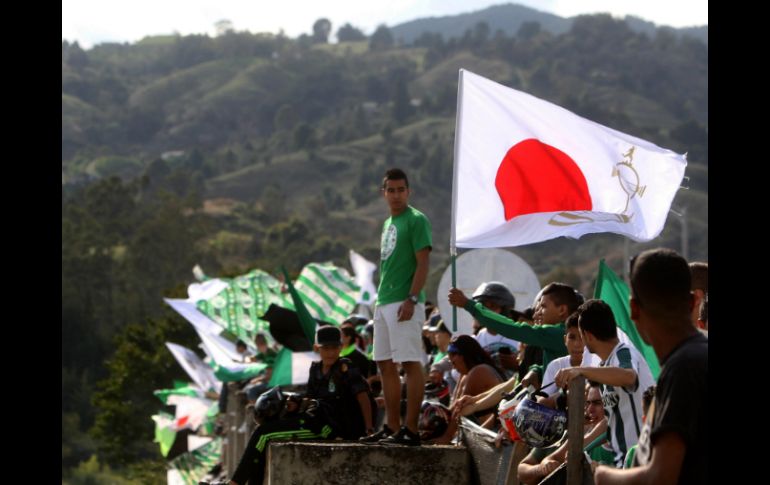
(438,392)
(269,405)
(434,420)
(539,426)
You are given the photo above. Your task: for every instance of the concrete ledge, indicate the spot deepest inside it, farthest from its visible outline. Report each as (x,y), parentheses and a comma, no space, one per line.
(341,463)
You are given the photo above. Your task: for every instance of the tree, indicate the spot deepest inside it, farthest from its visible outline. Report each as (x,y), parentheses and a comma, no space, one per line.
(480,34)
(223,26)
(528,30)
(304,136)
(348,33)
(77,57)
(381,39)
(402,107)
(285,118)
(141,363)
(321,30)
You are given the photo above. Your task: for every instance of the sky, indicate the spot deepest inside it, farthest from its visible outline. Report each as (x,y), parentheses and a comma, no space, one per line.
(92,22)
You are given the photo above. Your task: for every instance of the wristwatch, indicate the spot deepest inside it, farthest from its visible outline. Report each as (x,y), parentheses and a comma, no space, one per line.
(413,298)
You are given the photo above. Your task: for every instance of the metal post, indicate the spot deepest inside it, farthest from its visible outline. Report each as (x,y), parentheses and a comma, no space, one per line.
(576,410)
(626,259)
(240,434)
(231,459)
(685,235)
(681,214)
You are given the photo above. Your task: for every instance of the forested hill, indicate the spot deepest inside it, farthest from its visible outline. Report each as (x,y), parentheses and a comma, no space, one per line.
(256,150)
(509,18)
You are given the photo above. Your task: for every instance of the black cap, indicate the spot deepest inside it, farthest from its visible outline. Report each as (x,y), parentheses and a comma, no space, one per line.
(328,335)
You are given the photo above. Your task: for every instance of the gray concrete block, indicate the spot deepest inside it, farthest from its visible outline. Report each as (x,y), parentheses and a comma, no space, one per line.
(338,463)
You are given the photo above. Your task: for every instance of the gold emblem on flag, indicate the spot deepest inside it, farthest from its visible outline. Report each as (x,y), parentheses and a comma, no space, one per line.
(628,178)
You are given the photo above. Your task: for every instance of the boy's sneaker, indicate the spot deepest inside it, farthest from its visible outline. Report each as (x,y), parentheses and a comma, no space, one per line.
(403,437)
(376,437)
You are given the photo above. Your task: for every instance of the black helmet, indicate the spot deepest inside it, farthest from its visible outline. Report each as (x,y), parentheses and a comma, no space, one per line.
(269,405)
(495,292)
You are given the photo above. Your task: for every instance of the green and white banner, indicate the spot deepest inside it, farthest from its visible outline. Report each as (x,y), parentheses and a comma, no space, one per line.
(180,389)
(329,293)
(189,468)
(225,369)
(364,271)
(292,368)
(241,304)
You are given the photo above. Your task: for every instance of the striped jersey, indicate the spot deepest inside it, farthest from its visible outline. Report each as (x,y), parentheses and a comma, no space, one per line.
(623,405)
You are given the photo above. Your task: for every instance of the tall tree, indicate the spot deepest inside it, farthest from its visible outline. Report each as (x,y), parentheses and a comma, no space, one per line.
(381,39)
(348,33)
(321,30)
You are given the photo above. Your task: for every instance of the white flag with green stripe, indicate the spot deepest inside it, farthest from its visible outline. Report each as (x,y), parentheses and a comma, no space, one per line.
(292,368)
(329,292)
(225,369)
(364,271)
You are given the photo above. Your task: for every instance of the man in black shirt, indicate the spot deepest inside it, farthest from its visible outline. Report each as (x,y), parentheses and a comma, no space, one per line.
(673,441)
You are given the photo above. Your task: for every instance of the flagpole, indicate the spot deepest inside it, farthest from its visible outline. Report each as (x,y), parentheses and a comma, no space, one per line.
(452,240)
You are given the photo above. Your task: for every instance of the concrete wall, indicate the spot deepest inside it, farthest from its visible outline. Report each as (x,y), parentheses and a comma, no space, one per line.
(299,463)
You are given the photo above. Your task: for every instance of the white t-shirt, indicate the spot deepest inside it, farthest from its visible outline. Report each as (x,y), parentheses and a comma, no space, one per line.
(491,343)
(550,373)
(623,405)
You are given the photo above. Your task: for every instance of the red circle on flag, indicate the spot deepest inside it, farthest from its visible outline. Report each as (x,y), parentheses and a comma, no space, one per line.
(535,177)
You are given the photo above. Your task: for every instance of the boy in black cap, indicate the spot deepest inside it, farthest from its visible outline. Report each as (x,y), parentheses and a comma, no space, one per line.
(342,409)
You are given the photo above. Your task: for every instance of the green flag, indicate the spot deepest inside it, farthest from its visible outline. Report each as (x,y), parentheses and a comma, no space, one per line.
(164,433)
(305,319)
(238,372)
(613,291)
(186,390)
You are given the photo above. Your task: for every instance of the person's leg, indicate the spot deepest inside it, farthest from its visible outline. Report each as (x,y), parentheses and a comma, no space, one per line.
(415,390)
(406,340)
(391,389)
(384,317)
(252,463)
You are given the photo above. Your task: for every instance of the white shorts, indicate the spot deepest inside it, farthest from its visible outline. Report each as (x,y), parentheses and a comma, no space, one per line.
(398,341)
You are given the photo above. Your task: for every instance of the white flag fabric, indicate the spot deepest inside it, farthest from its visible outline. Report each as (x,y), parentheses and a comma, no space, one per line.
(206,290)
(527,171)
(190,411)
(226,368)
(194,441)
(364,276)
(199,372)
(191,313)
